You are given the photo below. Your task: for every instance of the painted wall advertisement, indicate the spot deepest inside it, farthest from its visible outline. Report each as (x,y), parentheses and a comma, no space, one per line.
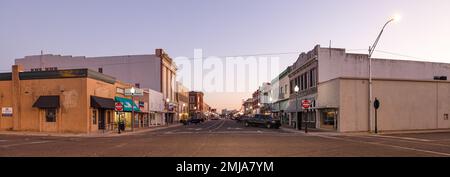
(7,112)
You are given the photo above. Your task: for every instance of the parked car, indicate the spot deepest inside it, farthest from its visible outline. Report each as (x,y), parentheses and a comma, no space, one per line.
(241,118)
(262,120)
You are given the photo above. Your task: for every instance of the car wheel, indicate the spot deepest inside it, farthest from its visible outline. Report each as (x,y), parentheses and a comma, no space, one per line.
(269,126)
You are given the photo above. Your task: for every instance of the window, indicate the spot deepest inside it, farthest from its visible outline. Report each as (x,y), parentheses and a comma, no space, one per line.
(94,117)
(137,85)
(285,88)
(192,99)
(51,69)
(50,115)
(100,70)
(36,69)
(302,87)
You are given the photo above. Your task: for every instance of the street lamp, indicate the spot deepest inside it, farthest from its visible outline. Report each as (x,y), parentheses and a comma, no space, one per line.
(371,50)
(296,90)
(132,91)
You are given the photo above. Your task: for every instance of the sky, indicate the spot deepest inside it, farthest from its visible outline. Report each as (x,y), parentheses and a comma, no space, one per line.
(222,28)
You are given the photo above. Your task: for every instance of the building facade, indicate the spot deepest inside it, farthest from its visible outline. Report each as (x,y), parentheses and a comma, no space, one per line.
(336,84)
(195,102)
(63,101)
(303,76)
(280,95)
(183,101)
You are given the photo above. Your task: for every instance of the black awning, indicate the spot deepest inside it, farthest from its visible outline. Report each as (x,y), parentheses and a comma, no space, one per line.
(102,103)
(45,102)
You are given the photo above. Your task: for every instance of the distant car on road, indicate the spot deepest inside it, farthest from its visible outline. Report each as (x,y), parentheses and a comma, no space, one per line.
(195,120)
(215,118)
(264,120)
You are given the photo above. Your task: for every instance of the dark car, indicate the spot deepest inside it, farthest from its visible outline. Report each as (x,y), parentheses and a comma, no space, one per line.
(195,120)
(241,119)
(262,120)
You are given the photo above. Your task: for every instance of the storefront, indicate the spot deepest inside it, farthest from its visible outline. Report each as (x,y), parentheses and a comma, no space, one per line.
(300,117)
(328,119)
(126,114)
(102,110)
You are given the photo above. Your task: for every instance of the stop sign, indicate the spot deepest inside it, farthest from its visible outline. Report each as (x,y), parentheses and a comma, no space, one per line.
(119,106)
(306,104)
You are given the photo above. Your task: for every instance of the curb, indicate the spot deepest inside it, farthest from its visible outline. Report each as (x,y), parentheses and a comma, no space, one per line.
(109,134)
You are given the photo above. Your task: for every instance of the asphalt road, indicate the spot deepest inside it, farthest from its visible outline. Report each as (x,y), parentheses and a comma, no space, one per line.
(225,138)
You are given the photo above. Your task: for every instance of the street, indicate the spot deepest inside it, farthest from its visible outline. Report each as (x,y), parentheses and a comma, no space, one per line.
(226,138)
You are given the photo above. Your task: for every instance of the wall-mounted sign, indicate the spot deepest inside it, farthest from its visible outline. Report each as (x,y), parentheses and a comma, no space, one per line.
(120,90)
(137,92)
(7,111)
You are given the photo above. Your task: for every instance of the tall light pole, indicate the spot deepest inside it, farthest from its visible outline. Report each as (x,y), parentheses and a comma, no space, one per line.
(296,89)
(371,50)
(132,91)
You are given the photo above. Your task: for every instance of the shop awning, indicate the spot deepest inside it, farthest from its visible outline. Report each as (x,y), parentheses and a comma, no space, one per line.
(102,103)
(127,104)
(45,102)
(291,107)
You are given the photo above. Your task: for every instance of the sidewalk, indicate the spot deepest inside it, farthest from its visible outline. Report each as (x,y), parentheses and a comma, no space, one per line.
(312,131)
(92,135)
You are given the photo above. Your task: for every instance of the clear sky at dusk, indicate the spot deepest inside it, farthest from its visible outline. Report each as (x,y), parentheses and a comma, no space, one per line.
(221,28)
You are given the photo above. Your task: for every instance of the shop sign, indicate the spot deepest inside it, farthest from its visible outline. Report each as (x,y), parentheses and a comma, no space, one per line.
(137,92)
(7,111)
(120,90)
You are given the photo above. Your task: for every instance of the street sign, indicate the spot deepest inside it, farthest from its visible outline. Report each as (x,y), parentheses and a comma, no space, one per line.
(376,104)
(306,104)
(137,92)
(119,106)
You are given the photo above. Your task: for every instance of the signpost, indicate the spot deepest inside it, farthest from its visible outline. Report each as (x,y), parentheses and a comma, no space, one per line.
(119,108)
(133,92)
(376,105)
(306,104)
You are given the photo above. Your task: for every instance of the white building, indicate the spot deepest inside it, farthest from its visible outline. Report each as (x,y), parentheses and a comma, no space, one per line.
(156,107)
(337,83)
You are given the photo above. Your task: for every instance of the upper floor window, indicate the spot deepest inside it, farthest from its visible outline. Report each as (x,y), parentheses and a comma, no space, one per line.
(100,70)
(36,69)
(51,69)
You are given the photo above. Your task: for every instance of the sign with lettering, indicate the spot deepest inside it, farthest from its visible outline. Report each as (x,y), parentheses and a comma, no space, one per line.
(7,111)
(137,92)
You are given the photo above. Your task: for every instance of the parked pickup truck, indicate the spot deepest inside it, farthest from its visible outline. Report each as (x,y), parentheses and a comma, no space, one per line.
(264,120)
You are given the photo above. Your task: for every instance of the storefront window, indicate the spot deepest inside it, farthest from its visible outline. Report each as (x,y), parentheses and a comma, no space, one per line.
(94,116)
(50,115)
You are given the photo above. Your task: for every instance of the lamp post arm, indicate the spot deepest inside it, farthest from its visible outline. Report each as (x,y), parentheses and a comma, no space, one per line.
(372,48)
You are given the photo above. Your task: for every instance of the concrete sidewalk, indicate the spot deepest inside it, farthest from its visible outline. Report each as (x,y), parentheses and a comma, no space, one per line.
(92,135)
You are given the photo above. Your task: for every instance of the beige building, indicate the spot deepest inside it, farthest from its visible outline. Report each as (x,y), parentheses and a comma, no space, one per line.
(413,95)
(63,101)
(156,72)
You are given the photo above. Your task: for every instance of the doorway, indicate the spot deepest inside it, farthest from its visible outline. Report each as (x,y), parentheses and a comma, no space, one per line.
(101,119)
